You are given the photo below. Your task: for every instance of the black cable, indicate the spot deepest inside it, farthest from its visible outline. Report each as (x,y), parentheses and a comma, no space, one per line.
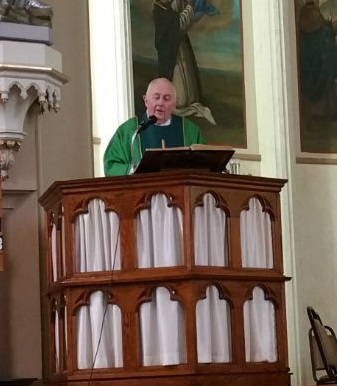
(105,309)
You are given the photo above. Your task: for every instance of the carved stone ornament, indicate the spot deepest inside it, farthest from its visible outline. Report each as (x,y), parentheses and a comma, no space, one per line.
(33,12)
(8,149)
(22,85)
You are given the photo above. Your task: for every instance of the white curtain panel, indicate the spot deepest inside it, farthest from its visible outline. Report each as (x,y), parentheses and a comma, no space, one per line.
(256,237)
(63,248)
(260,329)
(54,253)
(210,234)
(213,328)
(97,244)
(56,337)
(57,344)
(162,327)
(99,334)
(97,248)
(212,313)
(160,244)
(66,331)
(257,252)
(159,234)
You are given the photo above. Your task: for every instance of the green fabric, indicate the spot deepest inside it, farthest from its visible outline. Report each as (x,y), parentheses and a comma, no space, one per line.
(117,156)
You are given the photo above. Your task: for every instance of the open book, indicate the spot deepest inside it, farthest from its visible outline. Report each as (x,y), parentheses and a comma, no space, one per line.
(198,156)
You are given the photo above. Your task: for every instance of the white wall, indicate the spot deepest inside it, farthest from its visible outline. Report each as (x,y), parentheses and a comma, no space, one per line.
(315,214)
(308,199)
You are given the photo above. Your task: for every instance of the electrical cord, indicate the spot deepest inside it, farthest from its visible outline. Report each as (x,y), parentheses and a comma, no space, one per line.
(105,310)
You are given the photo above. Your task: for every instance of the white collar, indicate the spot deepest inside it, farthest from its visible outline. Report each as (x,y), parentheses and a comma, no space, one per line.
(167,123)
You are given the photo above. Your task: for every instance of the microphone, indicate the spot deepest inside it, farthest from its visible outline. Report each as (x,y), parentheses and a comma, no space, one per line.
(142,126)
(146,123)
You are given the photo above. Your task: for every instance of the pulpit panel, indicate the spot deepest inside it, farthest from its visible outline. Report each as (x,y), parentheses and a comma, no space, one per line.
(173,278)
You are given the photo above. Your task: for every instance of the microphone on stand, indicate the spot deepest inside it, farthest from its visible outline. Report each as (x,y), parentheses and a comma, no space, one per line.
(142,126)
(146,123)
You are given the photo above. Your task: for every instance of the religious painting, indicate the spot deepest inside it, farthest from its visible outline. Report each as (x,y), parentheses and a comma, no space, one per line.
(197,44)
(316,22)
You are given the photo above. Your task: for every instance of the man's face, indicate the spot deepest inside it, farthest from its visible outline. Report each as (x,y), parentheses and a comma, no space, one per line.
(160,100)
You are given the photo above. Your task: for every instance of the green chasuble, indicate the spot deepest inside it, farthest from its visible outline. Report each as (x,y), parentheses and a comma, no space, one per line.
(172,135)
(117,156)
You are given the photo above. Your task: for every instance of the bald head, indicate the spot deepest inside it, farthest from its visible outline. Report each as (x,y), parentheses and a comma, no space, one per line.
(160,99)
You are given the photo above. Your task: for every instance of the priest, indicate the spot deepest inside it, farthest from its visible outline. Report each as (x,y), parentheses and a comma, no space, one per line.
(158,127)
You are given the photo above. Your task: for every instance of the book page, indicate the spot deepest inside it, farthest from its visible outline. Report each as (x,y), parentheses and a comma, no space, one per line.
(196,146)
(177,148)
(201,146)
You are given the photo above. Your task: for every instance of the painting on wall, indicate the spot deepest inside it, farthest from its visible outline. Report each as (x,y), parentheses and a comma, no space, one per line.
(316,22)
(198,45)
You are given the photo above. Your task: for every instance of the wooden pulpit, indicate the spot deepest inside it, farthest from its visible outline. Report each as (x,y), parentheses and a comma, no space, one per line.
(168,278)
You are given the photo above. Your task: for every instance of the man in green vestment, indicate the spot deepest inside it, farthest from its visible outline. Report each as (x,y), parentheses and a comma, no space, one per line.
(125,149)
